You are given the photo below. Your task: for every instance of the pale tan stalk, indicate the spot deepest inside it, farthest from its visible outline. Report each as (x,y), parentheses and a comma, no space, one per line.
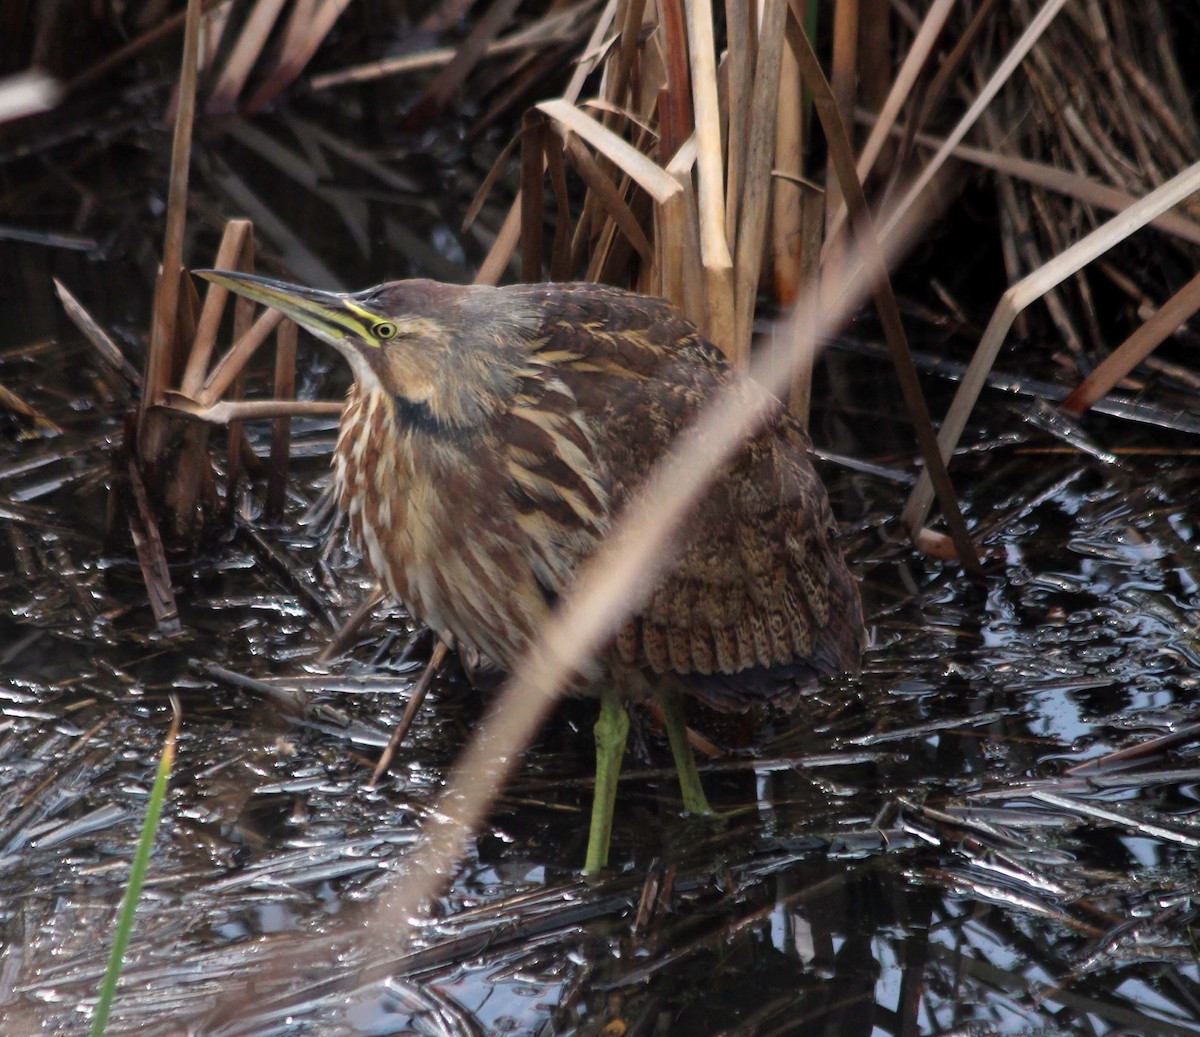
(714,246)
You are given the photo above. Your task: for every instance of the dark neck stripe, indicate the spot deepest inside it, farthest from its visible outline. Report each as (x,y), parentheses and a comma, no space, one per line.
(418,416)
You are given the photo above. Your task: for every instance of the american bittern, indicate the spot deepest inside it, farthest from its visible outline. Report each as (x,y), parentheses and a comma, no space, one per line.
(491,436)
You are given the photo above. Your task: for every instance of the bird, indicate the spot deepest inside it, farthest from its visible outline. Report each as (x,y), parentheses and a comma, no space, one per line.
(491,437)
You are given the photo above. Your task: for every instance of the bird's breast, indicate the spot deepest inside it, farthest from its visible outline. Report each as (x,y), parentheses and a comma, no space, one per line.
(436,535)
(379,489)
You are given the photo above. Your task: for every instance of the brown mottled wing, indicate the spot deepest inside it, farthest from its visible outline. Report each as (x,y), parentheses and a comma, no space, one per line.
(555,482)
(759,582)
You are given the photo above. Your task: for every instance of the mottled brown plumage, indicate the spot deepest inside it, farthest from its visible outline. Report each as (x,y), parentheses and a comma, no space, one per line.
(493,435)
(476,506)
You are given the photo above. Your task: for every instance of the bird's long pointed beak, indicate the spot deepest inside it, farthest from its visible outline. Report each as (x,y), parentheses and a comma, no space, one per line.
(333,316)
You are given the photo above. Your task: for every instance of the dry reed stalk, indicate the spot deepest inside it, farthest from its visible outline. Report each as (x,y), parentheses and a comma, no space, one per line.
(533,164)
(302,44)
(346,633)
(1064,182)
(692,288)
(451,78)
(286,336)
(11,403)
(190,475)
(608,196)
(558,27)
(675,118)
(295,33)
(948,74)
(843,80)
(229,254)
(660,185)
(499,167)
(151,429)
(506,239)
(1136,348)
(223,412)
(244,55)
(415,698)
(184,473)
(740,19)
(719,322)
(872,254)
(1087,106)
(107,349)
(245,345)
(755,204)
(1033,287)
(618,84)
(152,558)
(788,159)
(1004,71)
(216,22)
(914,62)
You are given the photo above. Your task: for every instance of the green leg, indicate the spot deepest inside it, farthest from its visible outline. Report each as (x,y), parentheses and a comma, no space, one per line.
(611,731)
(694,800)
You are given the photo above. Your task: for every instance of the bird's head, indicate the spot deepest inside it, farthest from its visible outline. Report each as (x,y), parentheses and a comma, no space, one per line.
(450,356)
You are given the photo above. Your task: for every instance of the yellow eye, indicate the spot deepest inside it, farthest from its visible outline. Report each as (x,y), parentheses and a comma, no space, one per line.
(385,329)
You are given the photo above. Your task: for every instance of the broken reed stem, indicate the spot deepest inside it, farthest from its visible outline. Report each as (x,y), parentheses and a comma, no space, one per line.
(1169,318)
(415,698)
(233,362)
(151,430)
(99,339)
(225,411)
(243,320)
(152,559)
(232,248)
(286,336)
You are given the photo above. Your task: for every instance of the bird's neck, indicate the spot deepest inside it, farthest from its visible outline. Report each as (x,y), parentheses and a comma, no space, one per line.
(418,417)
